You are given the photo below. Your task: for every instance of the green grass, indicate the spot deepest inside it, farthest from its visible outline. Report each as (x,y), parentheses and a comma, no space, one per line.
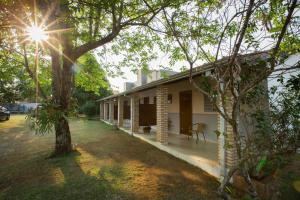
(107,164)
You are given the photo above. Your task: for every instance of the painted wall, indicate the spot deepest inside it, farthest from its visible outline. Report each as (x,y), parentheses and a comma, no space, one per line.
(248,123)
(199,115)
(148,93)
(209,118)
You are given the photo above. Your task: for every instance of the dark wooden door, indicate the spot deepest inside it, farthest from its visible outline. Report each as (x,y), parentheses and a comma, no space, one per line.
(126,111)
(107,110)
(185,111)
(115,111)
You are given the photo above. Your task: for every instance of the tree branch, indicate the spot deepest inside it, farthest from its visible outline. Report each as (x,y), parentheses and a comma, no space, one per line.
(275,50)
(108,38)
(31,74)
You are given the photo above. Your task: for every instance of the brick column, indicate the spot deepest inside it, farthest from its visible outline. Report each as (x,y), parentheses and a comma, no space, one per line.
(101,110)
(111,111)
(221,144)
(226,149)
(231,154)
(162,114)
(120,111)
(105,110)
(134,107)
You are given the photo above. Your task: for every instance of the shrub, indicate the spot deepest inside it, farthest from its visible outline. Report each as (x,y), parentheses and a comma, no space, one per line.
(89,108)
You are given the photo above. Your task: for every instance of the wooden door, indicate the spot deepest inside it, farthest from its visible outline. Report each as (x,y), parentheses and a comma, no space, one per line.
(185,111)
(115,111)
(107,110)
(126,111)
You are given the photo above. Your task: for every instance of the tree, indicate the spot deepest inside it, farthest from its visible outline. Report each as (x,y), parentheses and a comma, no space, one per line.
(205,30)
(90,76)
(90,85)
(74,28)
(14,82)
(285,109)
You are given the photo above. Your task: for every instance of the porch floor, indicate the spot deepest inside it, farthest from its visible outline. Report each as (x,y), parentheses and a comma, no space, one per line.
(202,154)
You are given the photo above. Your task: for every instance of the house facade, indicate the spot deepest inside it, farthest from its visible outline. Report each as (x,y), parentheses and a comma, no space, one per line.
(172,107)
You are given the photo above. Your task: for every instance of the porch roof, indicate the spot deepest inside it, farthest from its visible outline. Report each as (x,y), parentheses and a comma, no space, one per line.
(185,74)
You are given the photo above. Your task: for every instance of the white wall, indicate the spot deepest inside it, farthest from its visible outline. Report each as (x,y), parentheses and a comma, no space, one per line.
(199,115)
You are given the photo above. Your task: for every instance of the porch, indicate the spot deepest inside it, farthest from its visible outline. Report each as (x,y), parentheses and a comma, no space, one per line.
(200,154)
(171,111)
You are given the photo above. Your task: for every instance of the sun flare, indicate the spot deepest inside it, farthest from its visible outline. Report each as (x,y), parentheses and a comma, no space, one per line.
(36,33)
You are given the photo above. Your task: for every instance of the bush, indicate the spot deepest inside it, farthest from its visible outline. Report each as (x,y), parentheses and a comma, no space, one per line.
(89,108)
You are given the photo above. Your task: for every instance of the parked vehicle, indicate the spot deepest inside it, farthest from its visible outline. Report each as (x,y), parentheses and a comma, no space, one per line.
(4,113)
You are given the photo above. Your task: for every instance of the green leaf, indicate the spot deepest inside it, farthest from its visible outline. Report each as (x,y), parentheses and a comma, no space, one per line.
(218,133)
(262,162)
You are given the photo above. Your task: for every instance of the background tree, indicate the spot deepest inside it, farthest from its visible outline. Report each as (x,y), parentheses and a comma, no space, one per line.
(90,85)
(14,83)
(74,28)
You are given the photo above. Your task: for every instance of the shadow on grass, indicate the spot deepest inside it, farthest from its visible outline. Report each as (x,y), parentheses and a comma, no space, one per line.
(106,166)
(73,183)
(159,174)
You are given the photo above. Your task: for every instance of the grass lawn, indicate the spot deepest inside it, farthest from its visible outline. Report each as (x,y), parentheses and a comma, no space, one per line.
(108,164)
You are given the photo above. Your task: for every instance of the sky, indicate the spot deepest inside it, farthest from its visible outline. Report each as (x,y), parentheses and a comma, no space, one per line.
(117,82)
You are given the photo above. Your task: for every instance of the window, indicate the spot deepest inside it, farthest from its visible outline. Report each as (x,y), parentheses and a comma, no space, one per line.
(169,98)
(208,105)
(154,100)
(146,100)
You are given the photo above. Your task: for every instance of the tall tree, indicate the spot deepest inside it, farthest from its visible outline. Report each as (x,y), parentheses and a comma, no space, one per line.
(206,31)
(74,28)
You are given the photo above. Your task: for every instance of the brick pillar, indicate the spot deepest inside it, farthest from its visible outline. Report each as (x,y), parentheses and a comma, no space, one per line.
(101,110)
(111,111)
(120,111)
(162,114)
(226,149)
(231,154)
(221,144)
(105,110)
(134,106)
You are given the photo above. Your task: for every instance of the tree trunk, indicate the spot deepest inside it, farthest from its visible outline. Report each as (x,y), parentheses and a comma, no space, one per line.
(61,76)
(63,142)
(61,90)
(62,131)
